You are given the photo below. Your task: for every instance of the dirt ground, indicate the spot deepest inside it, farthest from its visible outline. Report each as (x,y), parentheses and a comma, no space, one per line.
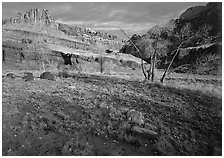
(87,115)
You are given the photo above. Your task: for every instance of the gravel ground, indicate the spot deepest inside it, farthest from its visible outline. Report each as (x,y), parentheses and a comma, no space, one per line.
(92,115)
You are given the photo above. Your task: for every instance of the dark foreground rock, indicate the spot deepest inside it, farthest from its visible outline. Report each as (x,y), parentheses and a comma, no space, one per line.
(48,76)
(10,75)
(147,133)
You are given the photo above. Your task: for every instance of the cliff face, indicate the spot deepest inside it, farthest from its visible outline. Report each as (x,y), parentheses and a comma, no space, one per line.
(198,17)
(192,12)
(43,17)
(36,20)
(32,16)
(211,14)
(35,36)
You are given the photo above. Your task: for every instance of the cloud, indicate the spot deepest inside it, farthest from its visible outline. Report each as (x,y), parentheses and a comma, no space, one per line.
(117,25)
(114,13)
(133,16)
(60,20)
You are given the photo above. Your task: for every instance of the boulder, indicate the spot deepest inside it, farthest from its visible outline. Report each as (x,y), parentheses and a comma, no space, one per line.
(10,75)
(135,117)
(32,16)
(144,132)
(47,75)
(28,77)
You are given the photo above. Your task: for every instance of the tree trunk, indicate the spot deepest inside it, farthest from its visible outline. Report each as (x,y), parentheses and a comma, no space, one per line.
(139,53)
(149,71)
(153,66)
(101,64)
(164,74)
(3,55)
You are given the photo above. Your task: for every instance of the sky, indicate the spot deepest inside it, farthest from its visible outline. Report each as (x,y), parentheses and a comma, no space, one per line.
(133,17)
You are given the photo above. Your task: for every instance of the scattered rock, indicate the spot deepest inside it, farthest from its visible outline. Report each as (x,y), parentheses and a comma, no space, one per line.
(150,126)
(123,110)
(29,76)
(10,75)
(164,146)
(131,139)
(144,132)
(103,105)
(47,75)
(125,125)
(135,117)
(136,135)
(78,146)
(116,115)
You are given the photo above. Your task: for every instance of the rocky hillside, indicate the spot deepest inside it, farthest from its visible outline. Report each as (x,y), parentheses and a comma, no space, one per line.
(33,16)
(211,14)
(35,40)
(203,47)
(42,17)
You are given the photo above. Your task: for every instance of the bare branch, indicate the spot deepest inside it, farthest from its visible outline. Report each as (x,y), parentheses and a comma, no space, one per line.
(142,64)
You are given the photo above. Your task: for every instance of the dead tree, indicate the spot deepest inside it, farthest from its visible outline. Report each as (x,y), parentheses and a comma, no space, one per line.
(164,74)
(153,61)
(181,37)
(142,63)
(101,64)
(3,55)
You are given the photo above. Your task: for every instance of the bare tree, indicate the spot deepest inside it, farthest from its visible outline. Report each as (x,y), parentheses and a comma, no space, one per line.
(154,47)
(204,31)
(151,72)
(142,63)
(3,55)
(101,64)
(180,36)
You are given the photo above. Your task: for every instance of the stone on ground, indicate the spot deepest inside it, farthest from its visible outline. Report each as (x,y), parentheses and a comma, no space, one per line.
(47,75)
(10,75)
(135,117)
(144,132)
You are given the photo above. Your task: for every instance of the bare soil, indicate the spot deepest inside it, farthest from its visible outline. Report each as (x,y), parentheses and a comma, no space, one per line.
(84,115)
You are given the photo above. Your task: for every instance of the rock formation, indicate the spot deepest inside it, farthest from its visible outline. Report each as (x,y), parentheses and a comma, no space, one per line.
(32,16)
(200,18)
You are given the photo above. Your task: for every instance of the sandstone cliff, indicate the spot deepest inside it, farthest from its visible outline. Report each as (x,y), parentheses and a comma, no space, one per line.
(32,16)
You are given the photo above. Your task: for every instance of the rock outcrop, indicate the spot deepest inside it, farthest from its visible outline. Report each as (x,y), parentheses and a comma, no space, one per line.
(35,36)
(32,16)
(47,76)
(206,24)
(211,14)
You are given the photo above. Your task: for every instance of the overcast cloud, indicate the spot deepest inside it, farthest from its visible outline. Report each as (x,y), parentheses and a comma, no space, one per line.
(133,17)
